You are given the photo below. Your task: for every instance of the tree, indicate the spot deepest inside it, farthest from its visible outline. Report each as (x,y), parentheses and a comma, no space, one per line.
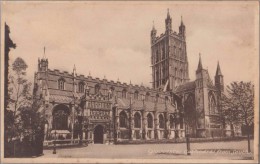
(20,95)
(18,99)
(238,105)
(8,45)
(24,118)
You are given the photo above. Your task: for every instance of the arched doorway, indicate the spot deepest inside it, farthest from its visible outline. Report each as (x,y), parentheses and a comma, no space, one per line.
(98,134)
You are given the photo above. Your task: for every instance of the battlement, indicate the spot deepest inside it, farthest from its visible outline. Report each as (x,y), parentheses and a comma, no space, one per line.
(163,35)
(89,78)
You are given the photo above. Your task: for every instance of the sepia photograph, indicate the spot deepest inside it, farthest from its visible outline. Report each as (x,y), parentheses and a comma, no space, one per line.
(129,81)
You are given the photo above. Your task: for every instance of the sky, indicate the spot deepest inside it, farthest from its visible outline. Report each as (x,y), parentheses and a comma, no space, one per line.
(112,39)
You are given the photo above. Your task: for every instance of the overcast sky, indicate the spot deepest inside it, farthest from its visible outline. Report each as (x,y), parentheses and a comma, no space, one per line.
(112,39)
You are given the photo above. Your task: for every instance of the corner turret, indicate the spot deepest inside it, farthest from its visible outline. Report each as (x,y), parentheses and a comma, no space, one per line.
(168,23)
(153,34)
(182,29)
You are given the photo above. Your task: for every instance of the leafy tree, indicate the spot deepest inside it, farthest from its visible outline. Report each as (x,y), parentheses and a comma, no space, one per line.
(23,117)
(238,105)
(20,94)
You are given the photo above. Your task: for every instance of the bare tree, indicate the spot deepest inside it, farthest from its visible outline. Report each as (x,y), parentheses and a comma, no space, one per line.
(238,105)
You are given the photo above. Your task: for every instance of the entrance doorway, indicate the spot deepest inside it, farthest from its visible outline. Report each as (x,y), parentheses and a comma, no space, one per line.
(98,134)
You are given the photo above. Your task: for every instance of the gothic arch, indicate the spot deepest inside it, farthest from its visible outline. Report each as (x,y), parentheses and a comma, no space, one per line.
(81,86)
(124,93)
(147,96)
(97,88)
(60,114)
(136,95)
(61,83)
(161,121)
(150,122)
(137,120)
(212,103)
(172,121)
(123,120)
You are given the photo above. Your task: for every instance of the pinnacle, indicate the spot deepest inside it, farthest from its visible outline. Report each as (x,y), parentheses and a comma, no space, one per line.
(218,72)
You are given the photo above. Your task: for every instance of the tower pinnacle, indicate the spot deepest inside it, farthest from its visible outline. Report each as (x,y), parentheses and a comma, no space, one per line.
(200,63)
(74,70)
(168,23)
(218,72)
(44,52)
(168,13)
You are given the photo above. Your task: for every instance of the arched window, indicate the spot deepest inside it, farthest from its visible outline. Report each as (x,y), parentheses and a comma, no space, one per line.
(161,121)
(157,97)
(157,56)
(136,95)
(61,84)
(60,117)
(171,122)
(137,120)
(81,87)
(123,120)
(124,93)
(212,105)
(97,88)
(150,120)
(147,96)
(163,53)
(157,78)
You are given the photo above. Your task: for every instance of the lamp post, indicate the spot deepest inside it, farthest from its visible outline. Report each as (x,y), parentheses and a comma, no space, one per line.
(188,141)
(187,134)
(54,144)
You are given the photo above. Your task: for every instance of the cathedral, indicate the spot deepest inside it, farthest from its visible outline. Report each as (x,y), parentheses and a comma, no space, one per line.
(104,111)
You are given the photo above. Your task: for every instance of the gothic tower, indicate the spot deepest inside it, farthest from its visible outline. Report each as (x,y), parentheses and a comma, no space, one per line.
(169,57)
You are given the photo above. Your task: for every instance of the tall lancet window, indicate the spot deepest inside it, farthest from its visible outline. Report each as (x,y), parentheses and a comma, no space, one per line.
(163,53)
(157,56)
(137,120)
(161,121)
(124,93)
(61,83)
(150,120)
(212,105)
(123,120)
(97,88)
(136,95)
(81,87)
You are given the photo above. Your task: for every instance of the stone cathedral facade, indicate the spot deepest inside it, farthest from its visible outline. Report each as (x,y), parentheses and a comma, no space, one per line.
(103,111)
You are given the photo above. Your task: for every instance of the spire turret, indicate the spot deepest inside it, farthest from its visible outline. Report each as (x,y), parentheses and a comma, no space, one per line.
(43,63)
(44,53)
(74,70)
(182,28)
(168,23)
(219,79)
(218,72)
(168,13)
(200,64)
(153,34)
